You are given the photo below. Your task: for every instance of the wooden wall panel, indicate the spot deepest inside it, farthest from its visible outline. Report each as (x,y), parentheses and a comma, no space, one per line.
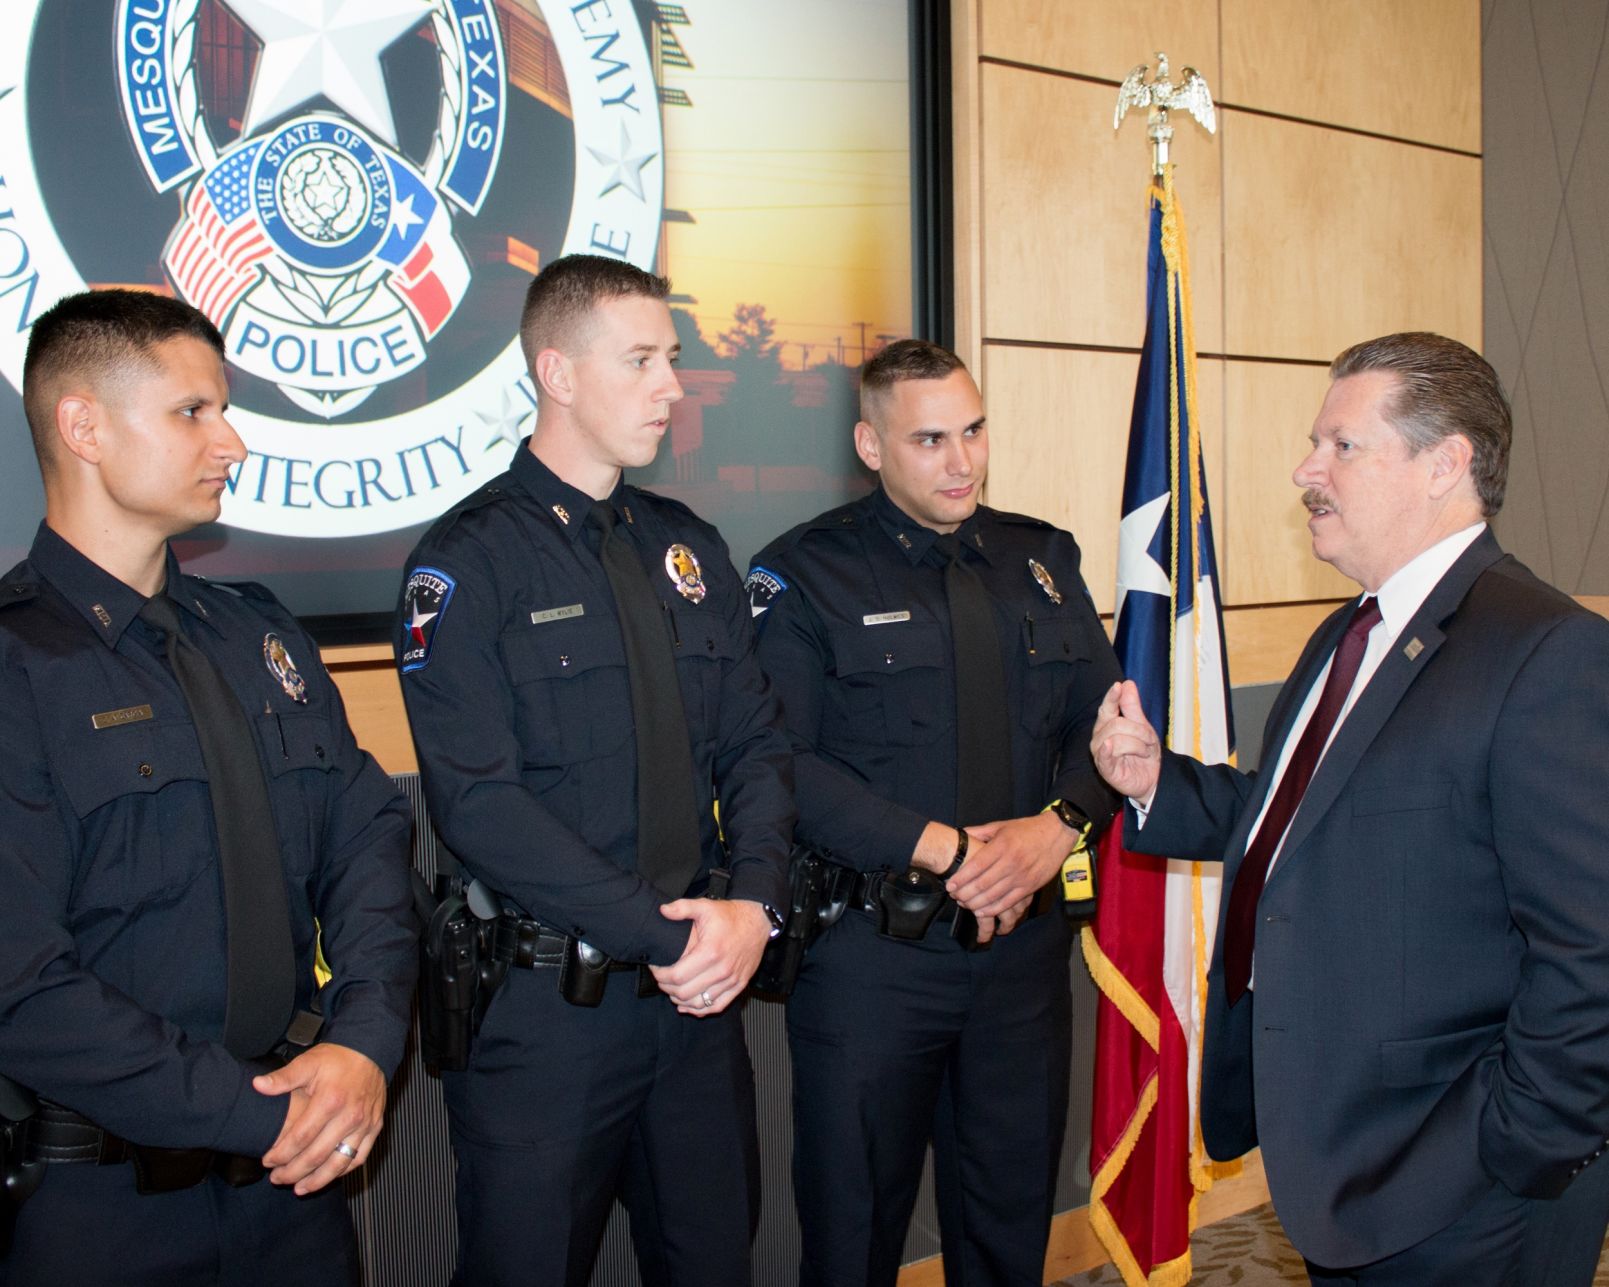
(1410,70)
(1103,38)
(367,678)
(1058,433)
(1330,238)
(1064,214)
(1269,409)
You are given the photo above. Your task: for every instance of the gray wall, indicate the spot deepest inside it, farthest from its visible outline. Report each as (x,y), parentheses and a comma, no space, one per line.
(1545,95)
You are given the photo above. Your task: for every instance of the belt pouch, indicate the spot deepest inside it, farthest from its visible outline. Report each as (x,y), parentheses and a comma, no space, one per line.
(583,974)
(907,904)
(167,1170)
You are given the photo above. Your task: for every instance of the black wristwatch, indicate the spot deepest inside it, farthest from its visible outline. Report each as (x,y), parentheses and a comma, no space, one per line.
(777,919)
(962,841)
(1072,818)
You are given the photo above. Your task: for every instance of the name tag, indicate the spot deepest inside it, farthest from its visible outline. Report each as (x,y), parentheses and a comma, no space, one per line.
(557,614)
(883,618)
(128,715)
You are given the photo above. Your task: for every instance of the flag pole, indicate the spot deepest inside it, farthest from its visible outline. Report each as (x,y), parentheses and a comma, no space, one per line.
(1148,947)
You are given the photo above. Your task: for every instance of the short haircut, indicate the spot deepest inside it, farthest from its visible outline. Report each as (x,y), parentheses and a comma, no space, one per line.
(902,360)
(561,298)
(98,337)
(1443,387)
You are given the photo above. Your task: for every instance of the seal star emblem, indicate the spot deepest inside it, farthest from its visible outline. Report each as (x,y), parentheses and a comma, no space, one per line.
(329,47)
(626,170)
(416,627)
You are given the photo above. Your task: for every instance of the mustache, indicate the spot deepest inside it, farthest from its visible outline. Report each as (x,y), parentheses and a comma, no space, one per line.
(1313,499)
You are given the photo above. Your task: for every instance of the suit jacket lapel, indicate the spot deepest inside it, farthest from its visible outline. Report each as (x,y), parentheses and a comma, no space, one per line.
(1386,687)
(1283,714)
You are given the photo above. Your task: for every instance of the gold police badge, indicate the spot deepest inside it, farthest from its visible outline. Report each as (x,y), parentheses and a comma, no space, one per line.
(681,566)
(1045,582)
(282,668)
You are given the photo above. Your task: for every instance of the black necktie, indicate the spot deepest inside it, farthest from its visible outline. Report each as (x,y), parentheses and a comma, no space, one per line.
(262,962)
(668,849)
(982,727)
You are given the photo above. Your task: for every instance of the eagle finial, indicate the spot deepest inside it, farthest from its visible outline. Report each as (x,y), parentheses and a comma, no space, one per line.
(1162,96)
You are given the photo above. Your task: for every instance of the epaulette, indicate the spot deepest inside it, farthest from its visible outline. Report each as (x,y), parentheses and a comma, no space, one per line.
(841,519)
(18,592)
(669,502)
(253,590)
(1023,520)
(481,497)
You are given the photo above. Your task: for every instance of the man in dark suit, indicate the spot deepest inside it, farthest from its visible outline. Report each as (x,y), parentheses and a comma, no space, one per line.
(1420,1043)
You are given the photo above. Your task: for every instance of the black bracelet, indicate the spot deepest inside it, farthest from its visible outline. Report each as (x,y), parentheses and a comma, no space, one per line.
(961,843)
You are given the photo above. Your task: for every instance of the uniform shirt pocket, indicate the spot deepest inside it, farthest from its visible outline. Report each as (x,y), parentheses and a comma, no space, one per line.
(704,650)
(143,810)
(1053,648)
(299,754)
(572,698)
(895,682)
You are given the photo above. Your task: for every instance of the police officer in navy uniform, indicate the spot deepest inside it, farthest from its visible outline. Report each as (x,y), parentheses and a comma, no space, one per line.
(922,644)
(554,770)
(125,968)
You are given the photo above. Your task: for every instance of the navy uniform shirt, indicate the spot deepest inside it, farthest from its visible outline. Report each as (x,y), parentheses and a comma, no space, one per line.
(112,935)
(515,679)
(854,629)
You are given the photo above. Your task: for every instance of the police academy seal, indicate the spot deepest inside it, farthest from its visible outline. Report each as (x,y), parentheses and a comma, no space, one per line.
(331,259)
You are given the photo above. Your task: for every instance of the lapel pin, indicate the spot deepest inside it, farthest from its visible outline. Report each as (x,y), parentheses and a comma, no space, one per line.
(1413,648)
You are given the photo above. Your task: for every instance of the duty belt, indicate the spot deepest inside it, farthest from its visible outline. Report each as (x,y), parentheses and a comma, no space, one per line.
(531,945)
(58,1134)
(867,891)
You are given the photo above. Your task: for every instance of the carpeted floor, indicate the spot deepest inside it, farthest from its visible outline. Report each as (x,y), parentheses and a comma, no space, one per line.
(1248,1249)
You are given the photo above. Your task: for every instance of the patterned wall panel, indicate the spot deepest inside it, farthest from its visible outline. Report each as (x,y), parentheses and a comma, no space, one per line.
(1545,73)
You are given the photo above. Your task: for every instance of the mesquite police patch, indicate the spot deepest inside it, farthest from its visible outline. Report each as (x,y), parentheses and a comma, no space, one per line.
(424,603)
(350,191)
(763,586)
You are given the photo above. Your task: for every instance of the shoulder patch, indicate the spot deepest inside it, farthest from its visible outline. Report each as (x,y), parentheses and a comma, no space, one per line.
(424,603)
(763,587)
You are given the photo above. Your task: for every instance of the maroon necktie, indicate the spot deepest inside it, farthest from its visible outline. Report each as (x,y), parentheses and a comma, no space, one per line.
(1240,928)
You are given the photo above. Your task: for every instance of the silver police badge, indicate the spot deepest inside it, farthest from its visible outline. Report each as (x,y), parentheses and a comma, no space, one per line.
(1045,582)
(282,668)
(681,566)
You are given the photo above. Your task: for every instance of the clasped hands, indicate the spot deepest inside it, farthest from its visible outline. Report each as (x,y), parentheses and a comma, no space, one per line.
(722,953)
(1007,863)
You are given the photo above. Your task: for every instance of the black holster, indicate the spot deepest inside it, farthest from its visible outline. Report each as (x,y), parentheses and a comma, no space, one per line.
(451,961)
(908,903)
(807,883)
(18,1175)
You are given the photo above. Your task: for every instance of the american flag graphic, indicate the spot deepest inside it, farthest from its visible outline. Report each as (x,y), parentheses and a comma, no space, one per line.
(211,253)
